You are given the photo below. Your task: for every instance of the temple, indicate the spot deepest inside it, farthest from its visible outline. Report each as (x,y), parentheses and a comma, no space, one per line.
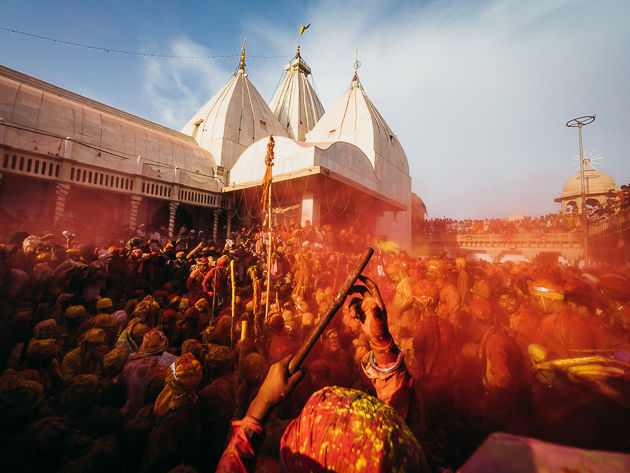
(75,154)
(342,165)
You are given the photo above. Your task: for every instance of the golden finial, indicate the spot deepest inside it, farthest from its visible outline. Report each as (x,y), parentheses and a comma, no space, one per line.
(297,54)
(356,65)
(241,63)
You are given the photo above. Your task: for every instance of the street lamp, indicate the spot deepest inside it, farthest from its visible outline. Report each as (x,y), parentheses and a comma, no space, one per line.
(578,123)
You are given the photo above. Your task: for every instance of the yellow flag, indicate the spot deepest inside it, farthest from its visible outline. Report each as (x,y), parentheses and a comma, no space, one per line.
(304,28)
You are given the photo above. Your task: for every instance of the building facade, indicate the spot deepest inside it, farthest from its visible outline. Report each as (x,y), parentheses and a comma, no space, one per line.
(69,161)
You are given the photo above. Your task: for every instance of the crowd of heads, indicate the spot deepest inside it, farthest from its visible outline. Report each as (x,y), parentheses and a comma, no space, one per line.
(569,221)
(136,355)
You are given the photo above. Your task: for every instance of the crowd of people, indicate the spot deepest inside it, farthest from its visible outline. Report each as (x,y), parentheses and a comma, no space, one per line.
(551,223)
(569,221)
(171,354)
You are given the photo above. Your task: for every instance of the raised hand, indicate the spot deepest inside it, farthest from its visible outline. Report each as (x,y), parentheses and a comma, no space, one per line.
(370,311)
(275,388)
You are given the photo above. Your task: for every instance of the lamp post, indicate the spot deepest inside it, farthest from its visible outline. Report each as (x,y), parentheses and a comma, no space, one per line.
(578,123)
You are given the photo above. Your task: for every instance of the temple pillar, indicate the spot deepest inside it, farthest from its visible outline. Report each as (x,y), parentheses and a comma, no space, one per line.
(172,210)
(311,209)
(215,225)
(61,194)
(136,200)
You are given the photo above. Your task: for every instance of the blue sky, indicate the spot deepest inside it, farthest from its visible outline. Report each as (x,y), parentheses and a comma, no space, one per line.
(477,92)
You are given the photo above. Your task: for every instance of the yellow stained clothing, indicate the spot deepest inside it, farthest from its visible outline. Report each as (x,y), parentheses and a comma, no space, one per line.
(73,365)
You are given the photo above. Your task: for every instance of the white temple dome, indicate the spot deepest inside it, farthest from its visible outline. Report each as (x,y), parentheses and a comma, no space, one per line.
(595,182)
(295,102)
(233,119)
(354,118)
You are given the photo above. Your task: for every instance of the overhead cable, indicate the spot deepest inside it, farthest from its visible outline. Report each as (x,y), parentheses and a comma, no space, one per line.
(130,53)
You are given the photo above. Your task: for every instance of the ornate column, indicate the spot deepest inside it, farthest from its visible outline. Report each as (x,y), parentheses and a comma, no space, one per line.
(215,226)
(172,209)
(61,194)
(230,215)
(133,213)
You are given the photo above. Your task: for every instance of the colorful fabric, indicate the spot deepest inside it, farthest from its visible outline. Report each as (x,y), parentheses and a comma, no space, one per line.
(94,336)
(347,430)
(136,376)
(126,338)
(18,396)
(183,304)
(104,303)
(153,343)
(114,361)
(75,312)
(240,454)
(182,380)
(81,393)
(75,363)
(169,316)
(202,305)
(548,289)
(45,329)
(338,430)
(120,317)
(42,349)
(191,314)
(145,306)
(104,321)
(191,346)
(223,260)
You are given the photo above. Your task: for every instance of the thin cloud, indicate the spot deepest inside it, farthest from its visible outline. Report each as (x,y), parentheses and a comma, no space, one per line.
(179,87)
(477,92)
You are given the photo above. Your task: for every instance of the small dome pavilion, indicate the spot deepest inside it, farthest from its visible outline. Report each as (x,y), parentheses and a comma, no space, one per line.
(598,187)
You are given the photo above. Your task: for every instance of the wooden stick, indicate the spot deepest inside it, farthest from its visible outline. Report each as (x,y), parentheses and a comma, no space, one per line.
(334,306)
(233,304)
(268,256)
(194,250)
(241,351)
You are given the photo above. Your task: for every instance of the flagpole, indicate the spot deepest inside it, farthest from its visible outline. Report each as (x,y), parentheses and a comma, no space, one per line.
(268,253)
(266,205)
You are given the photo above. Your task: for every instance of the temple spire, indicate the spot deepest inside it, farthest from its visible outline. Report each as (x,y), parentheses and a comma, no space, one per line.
(241,62)
(356,65)
(295,102)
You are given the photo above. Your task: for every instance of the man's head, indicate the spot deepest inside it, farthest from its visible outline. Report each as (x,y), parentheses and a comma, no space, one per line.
(437,269)
(93,344)
(508,301)
(395,271)
(460,263)
(547,295)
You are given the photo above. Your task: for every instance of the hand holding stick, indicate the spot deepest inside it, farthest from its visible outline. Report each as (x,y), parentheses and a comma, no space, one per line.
(337,302)
(284,375)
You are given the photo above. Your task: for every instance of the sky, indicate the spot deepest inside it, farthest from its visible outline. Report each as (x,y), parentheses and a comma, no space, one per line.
(478,92)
